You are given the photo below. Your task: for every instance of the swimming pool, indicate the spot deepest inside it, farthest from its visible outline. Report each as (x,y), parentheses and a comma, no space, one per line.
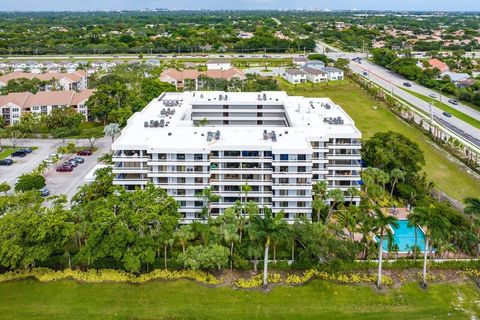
(404,237)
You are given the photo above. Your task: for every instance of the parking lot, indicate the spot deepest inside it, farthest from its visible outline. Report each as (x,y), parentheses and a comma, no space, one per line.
(57,182)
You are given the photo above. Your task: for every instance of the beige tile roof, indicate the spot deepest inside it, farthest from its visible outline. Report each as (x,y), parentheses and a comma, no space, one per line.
(73,77)
(194,74)
(46,98)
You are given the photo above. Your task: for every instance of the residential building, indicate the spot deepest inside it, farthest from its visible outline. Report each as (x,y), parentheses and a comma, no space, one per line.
(279,145)
(193,78)
(219,65)
(314,64)
(315,75)
(76,81)
(333,73)
(299,61)
(295,76)
(14,105)
(435,63)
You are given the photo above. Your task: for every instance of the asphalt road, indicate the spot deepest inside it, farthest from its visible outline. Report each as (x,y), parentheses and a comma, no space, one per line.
(393,82)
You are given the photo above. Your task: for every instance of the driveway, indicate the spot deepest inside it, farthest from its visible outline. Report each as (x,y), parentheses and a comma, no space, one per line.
(272,72)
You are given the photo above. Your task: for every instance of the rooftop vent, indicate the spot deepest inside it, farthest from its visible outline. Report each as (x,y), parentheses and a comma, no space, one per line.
(265,135)
(145,124)
(337,120)
(274,136)
(265,96)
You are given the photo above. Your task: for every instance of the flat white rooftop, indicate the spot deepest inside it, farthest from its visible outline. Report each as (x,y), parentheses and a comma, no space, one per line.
(307,118)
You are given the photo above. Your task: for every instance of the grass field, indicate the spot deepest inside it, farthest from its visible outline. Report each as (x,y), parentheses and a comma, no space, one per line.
(184,299)
(447,175)
(445,107)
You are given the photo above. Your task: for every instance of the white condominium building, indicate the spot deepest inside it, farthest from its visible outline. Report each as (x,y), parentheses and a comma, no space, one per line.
(279,145)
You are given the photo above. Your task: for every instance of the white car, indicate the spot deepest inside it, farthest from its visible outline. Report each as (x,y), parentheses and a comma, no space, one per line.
(432,95)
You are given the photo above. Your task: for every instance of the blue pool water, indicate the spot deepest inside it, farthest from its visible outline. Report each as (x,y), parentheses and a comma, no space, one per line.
(404,237)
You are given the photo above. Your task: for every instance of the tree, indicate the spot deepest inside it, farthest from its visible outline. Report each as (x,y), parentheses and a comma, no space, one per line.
(336,197)
(208,196)
(152,88)
(229,232)
(111,130)
(320,191)
(435,227)
(27,182)
(391,150)
(4,187)
(381,222)
(263,229)
(396,175)
(204,257)
(184,234)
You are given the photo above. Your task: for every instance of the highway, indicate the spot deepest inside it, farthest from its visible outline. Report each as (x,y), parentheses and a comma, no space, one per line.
(393,82)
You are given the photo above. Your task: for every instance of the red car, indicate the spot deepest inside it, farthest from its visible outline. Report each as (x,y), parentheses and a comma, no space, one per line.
(84,153)
(65,169)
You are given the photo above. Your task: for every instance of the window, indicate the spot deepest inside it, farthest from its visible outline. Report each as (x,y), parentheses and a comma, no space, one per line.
(181,156)
(180,180)
(284,157)
(198,156)
(198,204)
(302,157)
(162,156)
(283,204)
(181,192)
(301,204)
(283,180)
(267,154)
(231,153)
(302,169)
(15,109)
(36,108)
(199,180)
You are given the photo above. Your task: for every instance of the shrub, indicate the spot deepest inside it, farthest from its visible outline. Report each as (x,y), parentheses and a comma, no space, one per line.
(28,182)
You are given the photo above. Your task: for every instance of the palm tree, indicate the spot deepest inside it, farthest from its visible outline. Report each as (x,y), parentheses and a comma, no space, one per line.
(336,196)
(111,130)
(208,196)
(396,175)
(264,229)
(413,221)
(472,209)
(229,233)
(245,189)
(183,235)
(436,225)
(381,222)
(353,192)
(319,197)
(348,219)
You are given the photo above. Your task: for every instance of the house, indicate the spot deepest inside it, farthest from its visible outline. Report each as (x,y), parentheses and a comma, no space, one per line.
(295,76)
(182,78)
(461,80)
(14,105)
(218,65)
(435,63)
(77,80)
(299,61)
(153,62)
(315,64)
(333,73)
(315,75)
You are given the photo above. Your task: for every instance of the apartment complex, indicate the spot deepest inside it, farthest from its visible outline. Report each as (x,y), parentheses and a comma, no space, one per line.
(279,145)
(14,105)
(76,81)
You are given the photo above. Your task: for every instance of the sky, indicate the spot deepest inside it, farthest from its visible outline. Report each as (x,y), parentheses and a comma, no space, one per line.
(76,5)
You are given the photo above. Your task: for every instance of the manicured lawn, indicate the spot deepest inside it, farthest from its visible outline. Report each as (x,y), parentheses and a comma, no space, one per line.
(184,299)
(445,107)
(447,175)
(6,151)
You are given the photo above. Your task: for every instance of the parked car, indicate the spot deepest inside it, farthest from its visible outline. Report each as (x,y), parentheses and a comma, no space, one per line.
(19,153)
(6,162)
(432,95)
(453,101)
(72,162)
(26,150)
(446,114)
(64,168)
(79,159)
(84,152)
(407,84)
(44,192)
(365,73)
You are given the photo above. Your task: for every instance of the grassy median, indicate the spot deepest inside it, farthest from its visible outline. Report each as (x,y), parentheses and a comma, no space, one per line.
(185,299)
(445,107)
(446,174)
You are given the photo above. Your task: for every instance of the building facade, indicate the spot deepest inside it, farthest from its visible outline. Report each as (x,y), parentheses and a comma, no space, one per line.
(279,145)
